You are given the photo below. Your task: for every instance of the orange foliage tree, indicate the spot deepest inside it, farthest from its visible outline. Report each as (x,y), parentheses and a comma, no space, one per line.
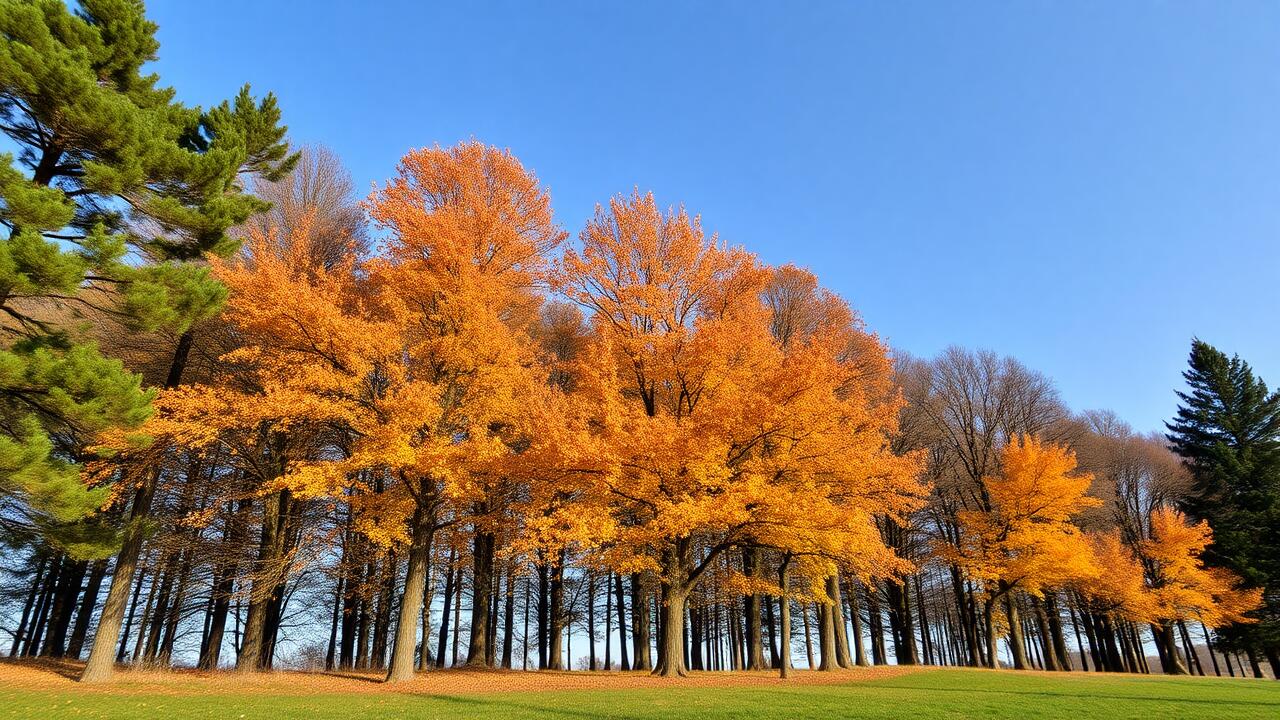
(1181,587)
(717,435)
(1021,537)
(470,233)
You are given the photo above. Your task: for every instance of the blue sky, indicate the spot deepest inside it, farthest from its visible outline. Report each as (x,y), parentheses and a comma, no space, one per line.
(1082,185)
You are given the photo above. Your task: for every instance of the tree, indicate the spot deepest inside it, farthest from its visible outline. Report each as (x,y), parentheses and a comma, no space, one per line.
(1227,430)
(716,436)
(471,229)
(1180,585)
(1022,537)
(114,166)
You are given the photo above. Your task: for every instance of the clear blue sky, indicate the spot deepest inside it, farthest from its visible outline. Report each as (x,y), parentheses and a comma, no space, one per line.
(1082,185)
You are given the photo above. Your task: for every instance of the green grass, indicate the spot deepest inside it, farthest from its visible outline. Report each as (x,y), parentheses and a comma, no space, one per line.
(924,695)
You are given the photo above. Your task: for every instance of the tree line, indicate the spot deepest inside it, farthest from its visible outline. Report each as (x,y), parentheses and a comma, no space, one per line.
(238,431)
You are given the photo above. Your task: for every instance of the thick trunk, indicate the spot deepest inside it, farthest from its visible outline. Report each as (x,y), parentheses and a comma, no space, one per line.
(402,665)
(837,621)
(555,611)
(265,582)
(826,638)
(1254,665)
(901,622)
(482,584)
(1015,629)
(671,629)
(1170,661)
(102,656)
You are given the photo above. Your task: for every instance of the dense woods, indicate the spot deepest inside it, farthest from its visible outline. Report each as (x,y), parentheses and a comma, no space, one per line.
(250,421)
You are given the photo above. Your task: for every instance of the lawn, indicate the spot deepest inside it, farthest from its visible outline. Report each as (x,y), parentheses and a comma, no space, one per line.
(925,694)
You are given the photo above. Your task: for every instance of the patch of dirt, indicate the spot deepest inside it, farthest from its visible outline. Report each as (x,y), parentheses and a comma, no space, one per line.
(58,676)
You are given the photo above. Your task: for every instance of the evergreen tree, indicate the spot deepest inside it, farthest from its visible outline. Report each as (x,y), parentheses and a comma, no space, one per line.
(1227,430)
(114,196)
(116,185)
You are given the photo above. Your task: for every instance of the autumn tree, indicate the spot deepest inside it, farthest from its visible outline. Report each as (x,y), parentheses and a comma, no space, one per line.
(470,232)
(1182,587)
(718,437)
(1020,535)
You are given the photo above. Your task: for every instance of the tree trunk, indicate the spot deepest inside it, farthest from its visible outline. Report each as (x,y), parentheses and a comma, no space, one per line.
(876,621)
(671,629)
(1015,629)
(482,584)
(989,615)
(1050,660)
(641,659)
(860,649)
(544,614)
(1169,660)
(556,619)
(1055,630)
(784,611)
(826,638)
(406,637)
(622,622)
(64,605)
(837,622)
(509,620)
(443,643)
(968,619)
(925,638)
(275,509)
(751,562)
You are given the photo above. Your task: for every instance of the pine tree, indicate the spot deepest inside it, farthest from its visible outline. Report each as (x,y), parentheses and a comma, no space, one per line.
(115,195)
(1227,430)
(108,166)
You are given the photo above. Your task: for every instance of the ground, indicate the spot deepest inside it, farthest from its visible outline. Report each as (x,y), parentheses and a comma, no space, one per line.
(48,691)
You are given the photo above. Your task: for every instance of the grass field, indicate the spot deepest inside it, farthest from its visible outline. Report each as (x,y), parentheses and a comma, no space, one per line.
(27,692)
